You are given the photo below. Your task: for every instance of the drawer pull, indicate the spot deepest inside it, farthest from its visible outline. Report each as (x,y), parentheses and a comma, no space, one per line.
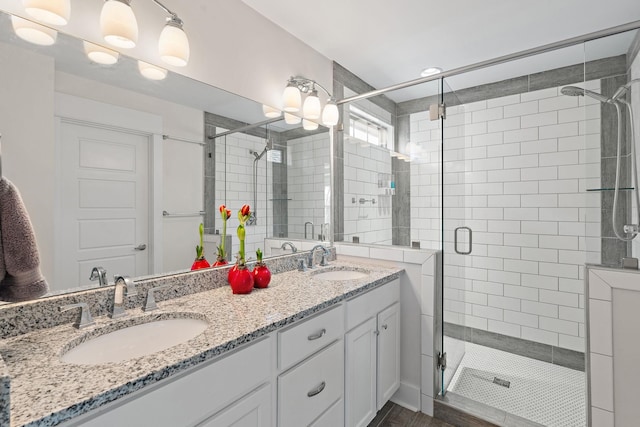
(317,390)
(317,336)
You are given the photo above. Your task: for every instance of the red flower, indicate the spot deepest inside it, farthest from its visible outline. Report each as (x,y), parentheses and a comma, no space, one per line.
(245,210)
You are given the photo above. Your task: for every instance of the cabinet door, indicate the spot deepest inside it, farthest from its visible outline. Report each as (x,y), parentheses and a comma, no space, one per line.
(253,410)
(388,353)
(360,374)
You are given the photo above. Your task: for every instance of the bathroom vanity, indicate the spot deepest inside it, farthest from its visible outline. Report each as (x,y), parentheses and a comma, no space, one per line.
(292,354)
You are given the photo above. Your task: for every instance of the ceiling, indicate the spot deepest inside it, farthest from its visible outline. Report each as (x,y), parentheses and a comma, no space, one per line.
(387,42)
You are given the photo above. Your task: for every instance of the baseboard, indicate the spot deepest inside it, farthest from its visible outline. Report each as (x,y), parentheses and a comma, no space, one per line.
(407,396)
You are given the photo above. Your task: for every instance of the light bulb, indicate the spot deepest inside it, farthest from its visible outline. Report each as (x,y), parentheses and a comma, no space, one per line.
(32,32)
(118,24)
(271,112)
(311,107)
(330,114)
(291,99)
(100,55)
(151,71)
(309,125)
(291,119)
(55,12)
(174,44)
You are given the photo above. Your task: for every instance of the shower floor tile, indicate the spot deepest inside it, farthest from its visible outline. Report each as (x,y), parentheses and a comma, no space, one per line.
(547,394)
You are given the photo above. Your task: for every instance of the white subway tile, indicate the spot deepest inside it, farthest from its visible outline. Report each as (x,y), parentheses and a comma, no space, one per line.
(475,177)
(521,109)
(504,201)
(504,252)
(492,288)
(572,343)
(535,254)
(541,119)
(529,187)
(600,327)
(559,214)
(557,325)
(522,240)
(486,262)
(558,103)
(589,127)
(541,146)
(487,188)
(539,94)
(503,150)
(475,322)
(521,266)
(540,282)
(524,319)
(558,131)
(562,158)
(572,257)
(485,139)
(521,292)
(471,297)
(475,129)
(539,335)
(487,312)
(560,298)
(504,124)
(521,135)
(601,381)
(503,226)
(488,238)
(475,273)
(487,213)
(503,175)
(587,170)
(474,106)
(524,214)
(504,328)
(539,174)
(486,115)
(568,271)
(587,200)
(591,155)
(539,308)
(571,285)
(539,201)
(526,161)
(539,227)
(504,277)
(572,314)
(487,164)
(504,302)
(598,288)
(504,100)
(559,186)
(559,242)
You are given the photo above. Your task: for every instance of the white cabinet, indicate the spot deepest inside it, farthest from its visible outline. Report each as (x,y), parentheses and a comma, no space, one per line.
(253,410)
(372,356)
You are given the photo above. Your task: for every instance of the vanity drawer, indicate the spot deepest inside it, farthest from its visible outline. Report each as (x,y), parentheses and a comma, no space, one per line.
(368,305)
(333,417)
(305,338)
(310,388)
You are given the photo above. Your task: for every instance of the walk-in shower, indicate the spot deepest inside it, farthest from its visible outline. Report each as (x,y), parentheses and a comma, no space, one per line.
(253,219)
(631,230)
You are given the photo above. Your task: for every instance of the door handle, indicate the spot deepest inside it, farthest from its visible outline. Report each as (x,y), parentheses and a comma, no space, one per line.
(455,240)
(140,247)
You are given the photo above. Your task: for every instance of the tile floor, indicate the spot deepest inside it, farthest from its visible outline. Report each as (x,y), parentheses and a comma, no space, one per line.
(392,415)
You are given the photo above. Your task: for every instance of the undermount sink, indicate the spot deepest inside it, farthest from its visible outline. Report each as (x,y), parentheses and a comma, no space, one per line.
(351,274)
(135,341)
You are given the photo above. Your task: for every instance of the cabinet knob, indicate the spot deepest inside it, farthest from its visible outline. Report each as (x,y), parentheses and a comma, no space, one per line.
(384,326)
(376,332)
(317,390)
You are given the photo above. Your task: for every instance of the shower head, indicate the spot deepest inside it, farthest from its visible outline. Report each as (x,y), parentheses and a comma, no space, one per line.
(578,91)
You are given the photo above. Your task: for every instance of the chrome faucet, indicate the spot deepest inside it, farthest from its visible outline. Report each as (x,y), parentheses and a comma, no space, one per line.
(124,288)
(313,229)
(291,245)
(84,316)
(323,261)
(99,274)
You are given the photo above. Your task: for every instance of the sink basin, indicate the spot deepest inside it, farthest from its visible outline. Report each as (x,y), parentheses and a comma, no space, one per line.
(134,341)
(341,275)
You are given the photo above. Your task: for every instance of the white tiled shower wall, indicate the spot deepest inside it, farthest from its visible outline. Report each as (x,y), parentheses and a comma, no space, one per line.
(234,187)
(635,103)
(516,170)
(308,184)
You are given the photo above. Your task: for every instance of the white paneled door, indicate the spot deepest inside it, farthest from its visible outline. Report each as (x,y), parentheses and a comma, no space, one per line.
(104,177)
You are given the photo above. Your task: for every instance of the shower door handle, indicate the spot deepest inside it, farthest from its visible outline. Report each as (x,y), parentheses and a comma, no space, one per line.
(455,240)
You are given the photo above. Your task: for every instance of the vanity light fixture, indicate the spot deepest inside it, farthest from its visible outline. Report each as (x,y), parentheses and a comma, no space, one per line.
(54,12)
(309,125)
(151,71)
(118,24)
(173,44)
(312,108)
(33,32)
(291,119)
(100,55)
(271,112)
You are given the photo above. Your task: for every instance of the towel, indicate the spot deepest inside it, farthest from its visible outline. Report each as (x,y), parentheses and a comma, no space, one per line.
(20,277)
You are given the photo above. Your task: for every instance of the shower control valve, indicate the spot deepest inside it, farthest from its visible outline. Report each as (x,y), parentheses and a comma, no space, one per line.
(630,229)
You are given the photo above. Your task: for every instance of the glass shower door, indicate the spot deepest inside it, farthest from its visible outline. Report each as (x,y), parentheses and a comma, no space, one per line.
(457,233)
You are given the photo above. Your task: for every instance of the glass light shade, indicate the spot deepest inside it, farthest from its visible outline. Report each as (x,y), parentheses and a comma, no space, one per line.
(118,24)
(151,71)
(271,112)
(330,114)
(309,125)
(291,119)
(311,108)
(291,99)
(32,32)
(174,46)
(100,55)
(55,12)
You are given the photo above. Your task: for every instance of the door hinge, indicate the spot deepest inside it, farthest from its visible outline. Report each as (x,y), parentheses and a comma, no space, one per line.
(442,361)
(437,111)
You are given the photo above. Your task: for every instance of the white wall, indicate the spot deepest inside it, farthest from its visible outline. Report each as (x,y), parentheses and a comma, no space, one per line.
(516,171)
(635,104)
(308,184)
(234,188)
(232,46)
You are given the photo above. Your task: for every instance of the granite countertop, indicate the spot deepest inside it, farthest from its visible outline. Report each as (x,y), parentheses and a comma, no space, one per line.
(46,391)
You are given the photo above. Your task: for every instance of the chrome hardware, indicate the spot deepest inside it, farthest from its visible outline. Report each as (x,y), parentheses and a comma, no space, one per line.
(455,241)
(84,319)
(301,265)
(313,229)
(184,214)
(317,390)
(99,274)
(437,112)
(140,247)
(630,229)
(442,361)
(317,336)
(376,332)
(631,263)
(384,326)
(150,301)
(291,245)
(323,261)
(124,288)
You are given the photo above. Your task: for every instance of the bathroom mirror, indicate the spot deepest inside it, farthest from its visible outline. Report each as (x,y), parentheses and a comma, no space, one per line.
(83,197)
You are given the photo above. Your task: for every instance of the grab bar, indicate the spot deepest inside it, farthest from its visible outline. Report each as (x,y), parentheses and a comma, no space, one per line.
(313,229)
(182,214)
